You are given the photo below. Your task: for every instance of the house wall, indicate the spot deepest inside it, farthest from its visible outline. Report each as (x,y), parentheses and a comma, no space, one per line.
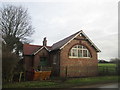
(76,67)
(28,60)
(55,62)
(41,53)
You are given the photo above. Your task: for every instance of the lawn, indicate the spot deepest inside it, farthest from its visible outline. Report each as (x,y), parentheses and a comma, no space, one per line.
(107,65)
(68,83)
(107,69)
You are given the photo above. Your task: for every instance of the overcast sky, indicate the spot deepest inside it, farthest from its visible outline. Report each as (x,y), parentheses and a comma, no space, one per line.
(57,19)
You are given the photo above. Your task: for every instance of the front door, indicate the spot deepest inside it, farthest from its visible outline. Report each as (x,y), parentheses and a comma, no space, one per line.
(43,61)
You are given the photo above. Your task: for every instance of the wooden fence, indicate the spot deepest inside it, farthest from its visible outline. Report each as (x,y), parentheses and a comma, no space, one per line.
(81,71)
(102,70)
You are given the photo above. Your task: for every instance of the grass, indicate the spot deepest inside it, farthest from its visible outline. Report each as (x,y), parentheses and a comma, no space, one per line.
(93,80)
(29,84)
(70,82)
(107,68)
(107,65)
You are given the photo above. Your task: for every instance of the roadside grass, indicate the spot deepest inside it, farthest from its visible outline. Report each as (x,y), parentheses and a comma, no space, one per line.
(93,80)
(68,83)
(30,84)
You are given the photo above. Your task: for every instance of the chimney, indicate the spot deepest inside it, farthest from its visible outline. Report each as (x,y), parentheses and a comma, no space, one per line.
(44,42)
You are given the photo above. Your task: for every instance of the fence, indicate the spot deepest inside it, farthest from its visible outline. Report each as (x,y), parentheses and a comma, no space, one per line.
(85,71)
(78,71)
(102,70)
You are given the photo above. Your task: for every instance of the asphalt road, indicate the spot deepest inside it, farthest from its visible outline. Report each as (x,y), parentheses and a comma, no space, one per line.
(108,85)
(115,85)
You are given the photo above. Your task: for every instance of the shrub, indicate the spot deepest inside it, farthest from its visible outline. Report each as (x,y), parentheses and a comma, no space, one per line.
(9,61)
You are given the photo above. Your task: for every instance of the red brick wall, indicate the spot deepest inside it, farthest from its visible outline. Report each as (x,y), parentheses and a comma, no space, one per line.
(78,66)
(42,53)
(28,62)
(55,66)
(33,61)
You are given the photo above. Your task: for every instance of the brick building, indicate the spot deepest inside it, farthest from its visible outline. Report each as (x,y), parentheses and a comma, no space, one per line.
(74,56)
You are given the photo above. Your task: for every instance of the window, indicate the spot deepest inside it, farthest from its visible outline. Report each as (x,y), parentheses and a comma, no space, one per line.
(79,51)
(54,59)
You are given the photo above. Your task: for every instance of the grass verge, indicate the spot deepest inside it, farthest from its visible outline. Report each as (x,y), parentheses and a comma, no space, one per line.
(70,82)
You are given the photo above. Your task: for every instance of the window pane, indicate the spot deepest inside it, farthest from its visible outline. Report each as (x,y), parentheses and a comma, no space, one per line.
(79,53)
(89,54)
(79,46)
(74,52)
(84,53)
(84,47)
(75,46)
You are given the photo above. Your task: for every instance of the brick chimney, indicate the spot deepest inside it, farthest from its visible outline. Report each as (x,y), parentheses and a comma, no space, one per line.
(44,42)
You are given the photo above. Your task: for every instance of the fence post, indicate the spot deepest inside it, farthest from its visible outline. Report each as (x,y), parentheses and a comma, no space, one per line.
(66,71)
(20,76)
(107,70)
(116,70)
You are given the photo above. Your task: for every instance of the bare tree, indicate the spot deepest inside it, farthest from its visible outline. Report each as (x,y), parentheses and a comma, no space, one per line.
(15,26)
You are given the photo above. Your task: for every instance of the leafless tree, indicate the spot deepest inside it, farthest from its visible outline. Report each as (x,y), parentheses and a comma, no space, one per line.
(15,26)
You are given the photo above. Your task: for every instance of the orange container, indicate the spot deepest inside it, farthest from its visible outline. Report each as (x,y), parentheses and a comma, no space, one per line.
(42,75)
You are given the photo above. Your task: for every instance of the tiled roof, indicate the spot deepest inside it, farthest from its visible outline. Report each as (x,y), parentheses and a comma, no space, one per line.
(62,43)
(59,44)
(31,49)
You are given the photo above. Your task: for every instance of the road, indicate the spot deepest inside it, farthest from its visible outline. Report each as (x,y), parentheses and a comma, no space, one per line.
(108,85)
(115,85)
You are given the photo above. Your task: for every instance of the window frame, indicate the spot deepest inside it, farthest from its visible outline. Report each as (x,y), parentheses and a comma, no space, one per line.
(79,48)
(54,59)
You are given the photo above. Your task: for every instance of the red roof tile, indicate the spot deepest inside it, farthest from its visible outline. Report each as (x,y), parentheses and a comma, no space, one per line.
(30,49)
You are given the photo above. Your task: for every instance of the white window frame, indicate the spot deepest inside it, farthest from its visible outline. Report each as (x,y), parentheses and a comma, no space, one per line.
(81,49)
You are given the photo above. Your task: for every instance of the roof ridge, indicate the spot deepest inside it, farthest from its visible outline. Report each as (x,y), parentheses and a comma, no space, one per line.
(36,45)
(32,45)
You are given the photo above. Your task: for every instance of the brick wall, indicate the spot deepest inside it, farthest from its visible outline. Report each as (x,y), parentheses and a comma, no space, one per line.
(34,61)
(55,62)
(84,64)
(42,53)
(28,62)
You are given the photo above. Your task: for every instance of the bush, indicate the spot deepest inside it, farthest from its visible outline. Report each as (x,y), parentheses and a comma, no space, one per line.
(9,61)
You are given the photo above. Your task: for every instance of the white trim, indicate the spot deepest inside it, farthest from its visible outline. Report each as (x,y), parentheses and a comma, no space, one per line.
(86,38)
(77,53)
(40,50)
(78,57)
(70,40)
(90,41)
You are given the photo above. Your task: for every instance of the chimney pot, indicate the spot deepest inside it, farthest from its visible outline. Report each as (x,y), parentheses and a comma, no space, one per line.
(44,42)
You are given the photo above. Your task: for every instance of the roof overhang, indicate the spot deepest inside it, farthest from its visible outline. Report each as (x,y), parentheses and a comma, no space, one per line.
(41,49)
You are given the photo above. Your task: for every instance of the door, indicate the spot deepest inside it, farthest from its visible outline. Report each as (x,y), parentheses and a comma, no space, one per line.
(43,61)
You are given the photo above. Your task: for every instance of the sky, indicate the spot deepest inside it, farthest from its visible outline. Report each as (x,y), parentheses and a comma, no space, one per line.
(57,19)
